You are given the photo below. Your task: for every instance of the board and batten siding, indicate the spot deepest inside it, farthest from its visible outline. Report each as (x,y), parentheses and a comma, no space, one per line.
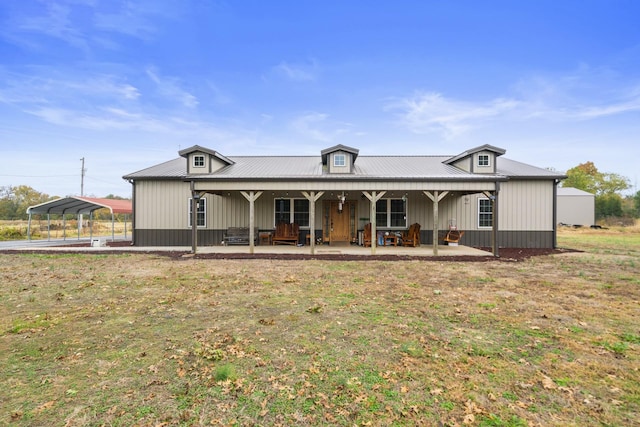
(161,205)
(526,205)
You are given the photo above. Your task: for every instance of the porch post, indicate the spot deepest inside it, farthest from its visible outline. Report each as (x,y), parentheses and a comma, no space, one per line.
(435,198)
(493,197)
(312,197)
(195,199)
(373,198)
(251,196)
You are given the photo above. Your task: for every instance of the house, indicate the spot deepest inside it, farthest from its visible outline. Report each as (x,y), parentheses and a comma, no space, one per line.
(497,202)
(576,207)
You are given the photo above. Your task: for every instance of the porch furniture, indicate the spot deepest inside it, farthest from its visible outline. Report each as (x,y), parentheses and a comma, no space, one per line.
(390,239)
(366,236)
(453,237)
(286,234)
(411,237)
(237,236)
(265,238)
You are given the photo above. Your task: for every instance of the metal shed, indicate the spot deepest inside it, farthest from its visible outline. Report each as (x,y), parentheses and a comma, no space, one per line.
(575,207)
(80,205)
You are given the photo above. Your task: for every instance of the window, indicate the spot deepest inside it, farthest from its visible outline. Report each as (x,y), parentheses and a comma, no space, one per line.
(198,161)
(339,160)
(483,160)
(301,212)
(485,213)
(391,213)
(298,209)
(201,213)
(283,211)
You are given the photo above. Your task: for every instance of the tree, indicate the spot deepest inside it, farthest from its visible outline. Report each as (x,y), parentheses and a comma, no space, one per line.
(636,204)
(586,177)
(14,201)
(608,205)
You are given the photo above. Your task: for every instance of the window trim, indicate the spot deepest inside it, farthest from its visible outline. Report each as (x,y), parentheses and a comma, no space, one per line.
(485,227)
(196,159)
(388,214)
(343,158)
(481,157)
(204,212)
(292,210)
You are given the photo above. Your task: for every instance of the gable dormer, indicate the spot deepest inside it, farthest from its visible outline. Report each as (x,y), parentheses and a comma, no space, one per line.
(339,159)
(201,160)
(477,160)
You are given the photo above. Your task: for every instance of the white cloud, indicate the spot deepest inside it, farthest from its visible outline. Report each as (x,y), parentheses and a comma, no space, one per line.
(317,126)
(170,88)
(298,72)
(429,112)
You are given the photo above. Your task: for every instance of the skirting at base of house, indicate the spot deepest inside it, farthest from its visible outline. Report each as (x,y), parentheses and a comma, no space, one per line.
(475,238)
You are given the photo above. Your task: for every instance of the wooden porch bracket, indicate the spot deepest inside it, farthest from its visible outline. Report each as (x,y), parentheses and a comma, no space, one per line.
(373,198)
(251,196)
(435,197)
(312,197)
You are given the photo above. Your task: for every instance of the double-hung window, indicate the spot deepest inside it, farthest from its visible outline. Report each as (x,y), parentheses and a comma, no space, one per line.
(286,209)
(485,213)
(201,212)
(391,213)
(339,160)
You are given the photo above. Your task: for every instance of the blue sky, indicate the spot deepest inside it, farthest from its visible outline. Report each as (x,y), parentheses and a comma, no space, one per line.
(126,84)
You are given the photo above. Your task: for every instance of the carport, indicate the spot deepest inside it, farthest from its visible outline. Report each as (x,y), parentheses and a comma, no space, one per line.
(77,206)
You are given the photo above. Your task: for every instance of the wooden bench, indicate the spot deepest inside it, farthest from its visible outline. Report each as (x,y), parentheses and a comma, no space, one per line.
(286,234)
(238,236)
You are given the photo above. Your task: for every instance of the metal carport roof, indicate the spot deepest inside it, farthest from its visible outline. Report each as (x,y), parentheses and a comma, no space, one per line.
(80,205)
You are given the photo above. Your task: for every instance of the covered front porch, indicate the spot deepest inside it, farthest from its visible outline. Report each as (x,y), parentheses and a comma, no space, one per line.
(336,217)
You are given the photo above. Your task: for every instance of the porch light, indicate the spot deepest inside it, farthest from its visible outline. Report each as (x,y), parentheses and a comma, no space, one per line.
(341,199)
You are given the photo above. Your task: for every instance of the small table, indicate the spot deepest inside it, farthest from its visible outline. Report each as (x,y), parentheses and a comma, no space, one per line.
(390,239)
(264,237)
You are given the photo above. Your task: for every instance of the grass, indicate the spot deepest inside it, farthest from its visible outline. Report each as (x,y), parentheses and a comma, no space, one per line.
(138,339)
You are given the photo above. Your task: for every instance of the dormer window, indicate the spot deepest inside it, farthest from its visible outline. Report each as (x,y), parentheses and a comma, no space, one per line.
(483,160)
(339,160)
(198,161)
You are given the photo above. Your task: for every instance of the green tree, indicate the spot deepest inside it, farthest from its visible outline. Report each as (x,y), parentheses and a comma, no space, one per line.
(608,205)
(636,204)
(14,201)
(587,177)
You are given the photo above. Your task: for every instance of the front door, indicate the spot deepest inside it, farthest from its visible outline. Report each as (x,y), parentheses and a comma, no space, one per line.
(339,223)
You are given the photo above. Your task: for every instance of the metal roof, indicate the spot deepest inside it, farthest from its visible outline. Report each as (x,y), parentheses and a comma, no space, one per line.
(367,167)
(80,205)
(571,191)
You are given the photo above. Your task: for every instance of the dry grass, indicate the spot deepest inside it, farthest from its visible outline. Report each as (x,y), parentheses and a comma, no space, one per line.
(146,340)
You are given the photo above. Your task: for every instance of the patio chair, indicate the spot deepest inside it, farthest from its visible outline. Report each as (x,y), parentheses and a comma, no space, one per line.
(411,237)
(366,238)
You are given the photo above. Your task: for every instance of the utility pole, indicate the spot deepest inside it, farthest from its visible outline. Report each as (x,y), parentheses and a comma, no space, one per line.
(82,171)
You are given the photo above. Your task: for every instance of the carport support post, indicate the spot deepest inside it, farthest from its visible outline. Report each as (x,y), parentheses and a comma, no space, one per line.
(312,197)
(435,198)
(252,196)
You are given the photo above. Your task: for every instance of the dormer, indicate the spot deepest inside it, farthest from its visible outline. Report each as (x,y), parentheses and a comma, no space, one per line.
(479,160)
(201,160)
(339,159)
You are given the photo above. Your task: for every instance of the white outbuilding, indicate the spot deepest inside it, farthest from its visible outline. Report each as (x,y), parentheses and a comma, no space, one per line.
(575,207)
